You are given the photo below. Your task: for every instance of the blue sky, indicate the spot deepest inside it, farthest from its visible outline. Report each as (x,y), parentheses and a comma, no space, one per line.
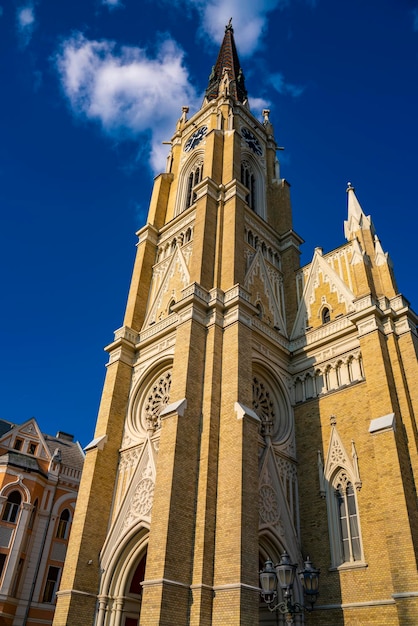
(91,89)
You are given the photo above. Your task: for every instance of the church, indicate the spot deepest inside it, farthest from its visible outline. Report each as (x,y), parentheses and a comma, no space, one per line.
(256,414)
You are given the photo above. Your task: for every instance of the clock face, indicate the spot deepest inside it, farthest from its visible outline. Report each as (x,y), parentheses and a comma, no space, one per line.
(252,141)
(195,139)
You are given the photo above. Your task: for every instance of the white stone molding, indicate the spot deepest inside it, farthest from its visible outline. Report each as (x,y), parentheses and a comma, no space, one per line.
(243,411)
(98,442)
(328,376)
(19,485)
(383,424)
(147,233)
(177,408)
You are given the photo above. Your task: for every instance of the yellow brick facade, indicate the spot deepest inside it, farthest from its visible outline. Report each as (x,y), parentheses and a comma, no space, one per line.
(250,407)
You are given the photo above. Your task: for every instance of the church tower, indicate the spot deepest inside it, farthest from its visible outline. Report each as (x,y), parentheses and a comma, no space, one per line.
(250,406)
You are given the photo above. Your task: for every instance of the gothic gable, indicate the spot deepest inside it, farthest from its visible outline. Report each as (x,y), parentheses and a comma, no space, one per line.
(27,433)
(278,475)
(338,457)
(135,495)
(323,287)
(171,277)
(259,282)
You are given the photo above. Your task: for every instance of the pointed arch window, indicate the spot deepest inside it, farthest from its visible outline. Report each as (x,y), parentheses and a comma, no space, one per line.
(339,483)
(348,523)
(12,506)
(326,315)
(248,179)
(194,178)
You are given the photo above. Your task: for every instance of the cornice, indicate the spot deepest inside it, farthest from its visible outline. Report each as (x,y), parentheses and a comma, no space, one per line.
(176,224)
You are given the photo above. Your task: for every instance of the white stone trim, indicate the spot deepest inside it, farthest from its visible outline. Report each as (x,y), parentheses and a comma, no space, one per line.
(243,411)
(237,585)
(98,442)
(383,424)
(175,407)
(164,581)
(354,605)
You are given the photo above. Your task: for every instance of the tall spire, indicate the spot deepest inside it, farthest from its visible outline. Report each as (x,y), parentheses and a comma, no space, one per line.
(356,219)
(227,66)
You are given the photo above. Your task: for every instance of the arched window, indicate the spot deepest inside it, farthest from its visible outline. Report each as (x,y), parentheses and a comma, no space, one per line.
(63,525)
(51,584)
(11,508)
(248,179)
(326,315)
(194,178)
(348,525)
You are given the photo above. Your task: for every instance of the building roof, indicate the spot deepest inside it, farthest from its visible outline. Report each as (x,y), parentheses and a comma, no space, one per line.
(5,426)
(71,452)
(22,461)
(227,61)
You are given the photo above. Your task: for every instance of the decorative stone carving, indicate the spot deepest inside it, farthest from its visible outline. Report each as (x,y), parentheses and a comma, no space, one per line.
(144,494)
(263,406)
(142,499)
(157,399)
(269,506)
(338,458)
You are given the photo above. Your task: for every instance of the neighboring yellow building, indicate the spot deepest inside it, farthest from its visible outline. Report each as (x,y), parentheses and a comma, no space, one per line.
(39,480)
(251,406)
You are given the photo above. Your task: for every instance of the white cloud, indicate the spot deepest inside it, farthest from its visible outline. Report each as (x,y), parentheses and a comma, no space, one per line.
(284,88)
(25,18)
(257,105)
(128,92)
(250,19)
(112,4)
(415,19)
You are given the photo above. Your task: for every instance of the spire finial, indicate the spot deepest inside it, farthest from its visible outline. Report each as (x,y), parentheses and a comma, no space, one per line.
(227,58)
(356,219)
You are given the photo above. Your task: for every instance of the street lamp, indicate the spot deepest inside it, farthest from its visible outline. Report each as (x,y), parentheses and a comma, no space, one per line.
(283,575)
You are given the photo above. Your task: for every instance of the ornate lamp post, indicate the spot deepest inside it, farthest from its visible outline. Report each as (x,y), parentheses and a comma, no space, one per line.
(283,575)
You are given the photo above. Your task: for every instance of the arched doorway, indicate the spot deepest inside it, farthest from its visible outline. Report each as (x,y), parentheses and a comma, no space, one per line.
(133,595)
(123,567)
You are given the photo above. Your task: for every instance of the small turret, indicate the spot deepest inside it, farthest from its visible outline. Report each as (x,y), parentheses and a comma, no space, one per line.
(356,219)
